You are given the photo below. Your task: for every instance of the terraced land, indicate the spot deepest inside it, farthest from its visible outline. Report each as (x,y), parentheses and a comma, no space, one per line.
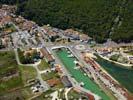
(10,77)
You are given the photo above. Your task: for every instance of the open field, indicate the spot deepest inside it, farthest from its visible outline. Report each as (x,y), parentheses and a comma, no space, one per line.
(13,78)
(49,75)
(45,96)
(20,94)
(74,95)
(43,65)
(130,52)
(9,73)
(27,73)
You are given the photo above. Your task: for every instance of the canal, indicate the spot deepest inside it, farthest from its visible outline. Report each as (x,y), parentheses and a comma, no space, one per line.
(79,74)
(122,75)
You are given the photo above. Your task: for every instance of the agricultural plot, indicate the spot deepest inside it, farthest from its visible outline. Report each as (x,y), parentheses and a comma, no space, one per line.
(10,77)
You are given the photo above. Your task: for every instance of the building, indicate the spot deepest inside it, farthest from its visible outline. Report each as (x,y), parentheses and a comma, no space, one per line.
(72,34)
(130,59)
(10,9)
(3,13)
(90,97)
(19,19)
(28,25)
(53,82)
(66,81)
(5,20)
(47,55)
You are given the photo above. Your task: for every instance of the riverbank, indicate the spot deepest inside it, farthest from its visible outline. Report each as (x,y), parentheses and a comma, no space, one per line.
(127,66)
(119,73)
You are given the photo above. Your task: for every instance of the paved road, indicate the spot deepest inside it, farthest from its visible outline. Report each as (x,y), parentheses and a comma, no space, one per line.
(73,81)
(45,85)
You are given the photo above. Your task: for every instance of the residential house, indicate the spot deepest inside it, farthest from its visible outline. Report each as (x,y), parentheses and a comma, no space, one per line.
(66,81)
(49,58)
(53,82)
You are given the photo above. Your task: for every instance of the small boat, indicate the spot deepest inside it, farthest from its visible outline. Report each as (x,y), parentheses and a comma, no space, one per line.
(85,74)
(82,84)
(68,52)
(76,62)
(70,55)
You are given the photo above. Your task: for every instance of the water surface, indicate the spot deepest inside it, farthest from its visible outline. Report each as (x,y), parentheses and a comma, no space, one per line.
(122,75)
(79,75)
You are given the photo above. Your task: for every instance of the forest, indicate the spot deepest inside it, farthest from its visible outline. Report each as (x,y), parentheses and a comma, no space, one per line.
(100,19)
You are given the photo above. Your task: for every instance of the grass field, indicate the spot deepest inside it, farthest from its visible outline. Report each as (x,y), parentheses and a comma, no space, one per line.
(27,73)
(43,65)
(130,52)
(45,96)
(49,75)
(8,68)
(7,62)
(13,88)
(73,95)
(20,94)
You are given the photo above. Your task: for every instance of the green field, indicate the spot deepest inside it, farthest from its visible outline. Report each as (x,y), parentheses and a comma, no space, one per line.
(49,75)
(43,65)
(8,68)
(13,88)
(27,73)
(75,95)
(79,75)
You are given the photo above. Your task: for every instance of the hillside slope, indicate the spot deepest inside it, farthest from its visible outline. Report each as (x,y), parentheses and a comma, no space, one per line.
(100,19)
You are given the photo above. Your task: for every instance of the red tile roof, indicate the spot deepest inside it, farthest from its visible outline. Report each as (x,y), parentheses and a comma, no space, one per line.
(53,82)
(46,54)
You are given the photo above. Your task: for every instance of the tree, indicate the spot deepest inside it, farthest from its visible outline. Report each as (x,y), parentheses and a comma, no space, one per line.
(94,17)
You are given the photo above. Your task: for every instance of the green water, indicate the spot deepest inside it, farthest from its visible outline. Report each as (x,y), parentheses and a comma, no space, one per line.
(79,75)
(123,76)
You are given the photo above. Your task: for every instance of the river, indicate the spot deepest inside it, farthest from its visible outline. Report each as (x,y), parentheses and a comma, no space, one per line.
(123,76)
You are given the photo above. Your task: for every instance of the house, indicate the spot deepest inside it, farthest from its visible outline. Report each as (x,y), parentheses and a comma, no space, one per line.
(130,59)
(19,20)
(58,69)
(5,20)
(47,55)
(84,37)
(72,34)
(52,34)
(90,97)
(3,13)
(10,9)
(28,25)
(53,82)
(66,81)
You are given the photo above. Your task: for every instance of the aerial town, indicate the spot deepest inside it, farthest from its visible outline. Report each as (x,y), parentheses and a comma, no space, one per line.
(47,63)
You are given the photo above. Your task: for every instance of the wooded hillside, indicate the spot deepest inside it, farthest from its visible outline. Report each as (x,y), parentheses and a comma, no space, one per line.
(100,19)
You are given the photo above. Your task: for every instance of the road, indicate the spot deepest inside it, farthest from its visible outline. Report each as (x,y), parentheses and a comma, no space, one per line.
(45,85)
(73,81)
